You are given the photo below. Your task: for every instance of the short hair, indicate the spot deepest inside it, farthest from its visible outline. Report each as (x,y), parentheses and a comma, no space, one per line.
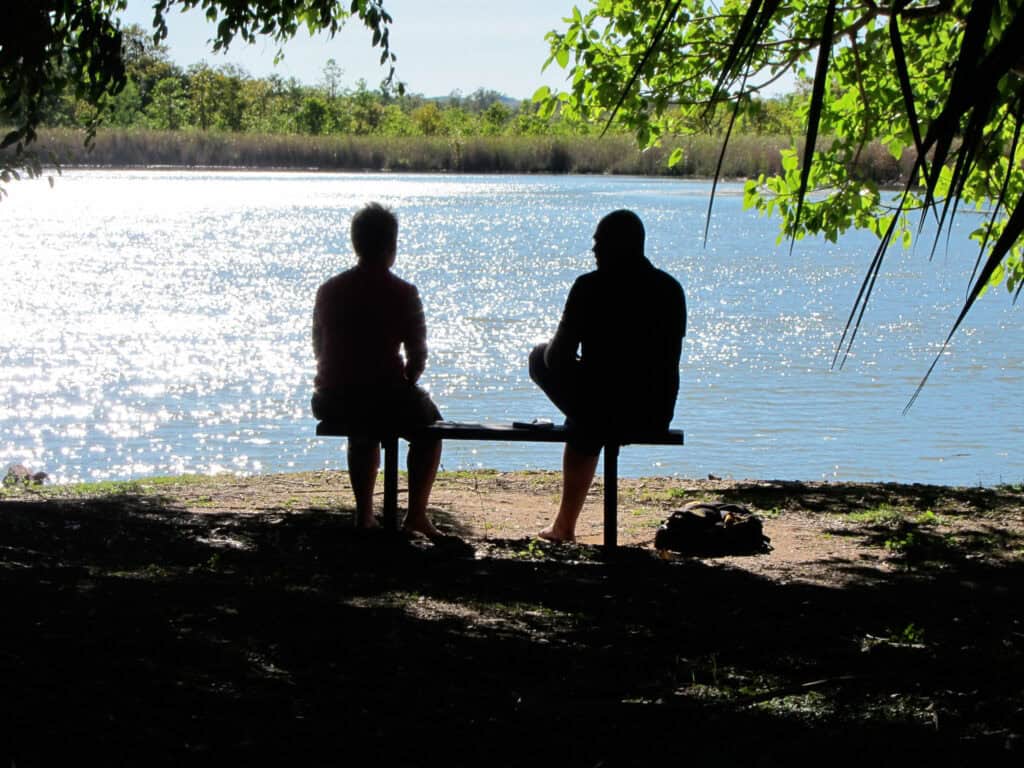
(623,231)
(374,231)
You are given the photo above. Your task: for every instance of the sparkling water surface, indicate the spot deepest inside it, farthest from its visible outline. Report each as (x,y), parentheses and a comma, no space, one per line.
(157,323)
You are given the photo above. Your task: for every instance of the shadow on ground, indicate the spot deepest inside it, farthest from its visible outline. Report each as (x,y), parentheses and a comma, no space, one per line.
(135,632)
(847,498)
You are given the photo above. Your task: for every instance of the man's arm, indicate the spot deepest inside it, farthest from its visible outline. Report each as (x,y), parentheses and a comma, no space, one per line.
(416,340)
(563,350)
(318,332)
(675,319)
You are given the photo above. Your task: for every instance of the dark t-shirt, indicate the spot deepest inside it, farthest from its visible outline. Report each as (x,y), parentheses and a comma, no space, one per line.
(362,319)
(626,324)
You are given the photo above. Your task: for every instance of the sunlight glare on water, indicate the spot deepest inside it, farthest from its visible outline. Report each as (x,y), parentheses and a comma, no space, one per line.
(158,323)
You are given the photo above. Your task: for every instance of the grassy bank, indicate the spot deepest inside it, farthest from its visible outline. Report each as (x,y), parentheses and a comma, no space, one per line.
(747,156)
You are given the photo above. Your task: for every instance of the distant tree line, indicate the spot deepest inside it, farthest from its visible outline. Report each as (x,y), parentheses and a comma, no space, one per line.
(160,95)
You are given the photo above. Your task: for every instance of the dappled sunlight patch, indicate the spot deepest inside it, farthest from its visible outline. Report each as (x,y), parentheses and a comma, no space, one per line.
(533,620)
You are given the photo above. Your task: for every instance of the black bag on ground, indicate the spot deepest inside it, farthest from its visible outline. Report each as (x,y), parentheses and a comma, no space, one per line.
(710,529)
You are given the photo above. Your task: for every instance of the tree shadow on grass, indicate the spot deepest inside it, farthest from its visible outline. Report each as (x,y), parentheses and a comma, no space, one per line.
(136,632)
(925,547)
(847,498)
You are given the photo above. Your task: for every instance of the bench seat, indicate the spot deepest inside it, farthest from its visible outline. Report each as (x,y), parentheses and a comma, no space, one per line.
(451,430)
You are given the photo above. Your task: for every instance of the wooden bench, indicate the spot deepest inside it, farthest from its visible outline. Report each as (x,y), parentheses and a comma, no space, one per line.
(450,430)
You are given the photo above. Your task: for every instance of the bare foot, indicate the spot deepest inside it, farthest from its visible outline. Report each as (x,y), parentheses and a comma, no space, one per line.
(424,526)
(367,523)
(548,534)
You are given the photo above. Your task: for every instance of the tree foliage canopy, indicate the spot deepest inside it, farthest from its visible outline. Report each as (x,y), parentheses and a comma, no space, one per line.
(50,46)
(943,79)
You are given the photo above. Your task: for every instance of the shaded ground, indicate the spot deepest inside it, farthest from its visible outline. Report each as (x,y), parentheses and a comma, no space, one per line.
(204,620)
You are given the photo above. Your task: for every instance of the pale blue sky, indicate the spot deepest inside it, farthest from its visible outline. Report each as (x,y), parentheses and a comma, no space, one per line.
(441,46)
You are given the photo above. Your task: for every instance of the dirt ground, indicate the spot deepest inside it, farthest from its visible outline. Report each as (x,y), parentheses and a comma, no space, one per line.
(823,533)
(198,620)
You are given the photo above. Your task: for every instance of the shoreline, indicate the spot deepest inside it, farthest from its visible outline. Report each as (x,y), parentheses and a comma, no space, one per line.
(214,168)
(488,504)
(749,155)
(713,481)
(157,167)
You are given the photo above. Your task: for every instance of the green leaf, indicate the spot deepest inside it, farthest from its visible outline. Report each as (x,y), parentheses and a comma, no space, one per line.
(789,160)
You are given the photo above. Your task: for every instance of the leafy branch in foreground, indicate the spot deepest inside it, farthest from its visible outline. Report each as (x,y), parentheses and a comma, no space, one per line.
(48,47)
(943,79)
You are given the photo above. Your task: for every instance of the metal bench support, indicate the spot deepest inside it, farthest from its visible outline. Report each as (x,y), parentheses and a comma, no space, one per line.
(443,430)
(611,496)
(390,446)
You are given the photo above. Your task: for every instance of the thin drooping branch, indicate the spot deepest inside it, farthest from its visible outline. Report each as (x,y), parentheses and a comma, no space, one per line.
(718,165)
(1000,200)
(1011,233)
(667,17)
(859,71)
(814,111)
(903,77)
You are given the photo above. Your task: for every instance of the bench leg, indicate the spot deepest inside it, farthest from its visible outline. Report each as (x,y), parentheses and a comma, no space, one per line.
(390,445)
(611,496)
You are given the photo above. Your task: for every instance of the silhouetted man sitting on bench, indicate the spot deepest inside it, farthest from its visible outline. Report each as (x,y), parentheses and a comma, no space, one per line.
(613,364)
(362,320)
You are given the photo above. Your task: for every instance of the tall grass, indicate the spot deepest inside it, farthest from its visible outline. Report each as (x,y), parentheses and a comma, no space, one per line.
(748,155)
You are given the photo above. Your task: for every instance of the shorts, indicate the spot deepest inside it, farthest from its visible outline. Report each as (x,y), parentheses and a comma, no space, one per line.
(400,411)
(591,417)
(570,394)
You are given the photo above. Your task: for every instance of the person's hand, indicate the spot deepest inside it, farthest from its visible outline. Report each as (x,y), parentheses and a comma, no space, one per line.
(412,375)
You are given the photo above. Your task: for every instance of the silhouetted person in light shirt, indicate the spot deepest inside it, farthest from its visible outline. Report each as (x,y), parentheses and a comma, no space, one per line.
(363,321)
(613,364)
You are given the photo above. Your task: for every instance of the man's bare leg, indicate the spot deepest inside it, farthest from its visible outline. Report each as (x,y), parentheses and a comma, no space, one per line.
(363,465)
(577,474)
(422,462)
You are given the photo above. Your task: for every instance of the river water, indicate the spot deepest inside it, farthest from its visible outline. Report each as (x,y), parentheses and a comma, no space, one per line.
(158,323)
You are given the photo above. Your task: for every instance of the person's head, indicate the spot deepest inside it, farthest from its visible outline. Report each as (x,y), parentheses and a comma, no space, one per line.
(375,235)
(618,239)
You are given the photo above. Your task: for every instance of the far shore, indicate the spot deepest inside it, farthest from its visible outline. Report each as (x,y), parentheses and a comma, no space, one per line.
(748,155)
(318,169)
